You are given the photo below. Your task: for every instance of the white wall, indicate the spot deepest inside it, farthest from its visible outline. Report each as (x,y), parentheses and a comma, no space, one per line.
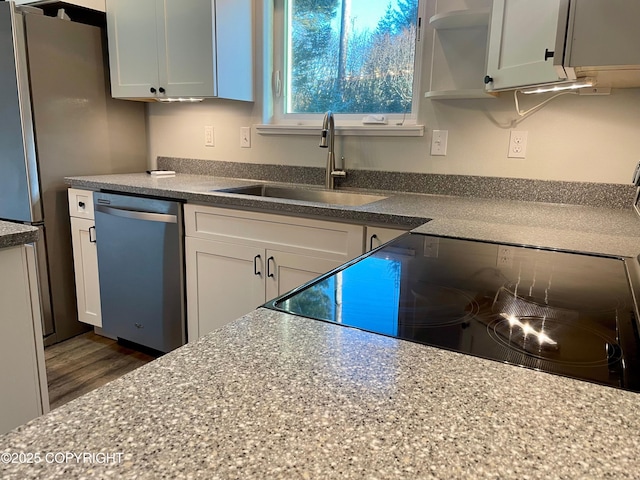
(573,138)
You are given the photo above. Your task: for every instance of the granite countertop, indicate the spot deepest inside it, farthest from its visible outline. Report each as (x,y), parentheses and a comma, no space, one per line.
(568,227)
(277,396)
(12,234)
(273,395)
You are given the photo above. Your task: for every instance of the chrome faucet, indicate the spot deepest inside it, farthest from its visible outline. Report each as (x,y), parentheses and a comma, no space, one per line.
(327,141)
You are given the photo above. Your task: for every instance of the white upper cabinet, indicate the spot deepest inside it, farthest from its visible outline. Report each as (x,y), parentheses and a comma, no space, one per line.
(550,41)
(523,39)
(160,49)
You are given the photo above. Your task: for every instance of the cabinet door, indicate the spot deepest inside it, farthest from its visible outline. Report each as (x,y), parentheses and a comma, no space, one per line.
(224,282)
(521,31)
(186,48)
(234,49)
(286,271)
(21,349)
(133,47)
(85,266)
(376,236)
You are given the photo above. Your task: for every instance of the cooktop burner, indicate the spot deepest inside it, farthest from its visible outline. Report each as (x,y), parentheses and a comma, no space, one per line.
(540,337)
(559,312)
(436,306)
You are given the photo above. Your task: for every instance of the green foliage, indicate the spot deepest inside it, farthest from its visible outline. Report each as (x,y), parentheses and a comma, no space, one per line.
(310,34)
(313,302)
(379,71)
(406,14)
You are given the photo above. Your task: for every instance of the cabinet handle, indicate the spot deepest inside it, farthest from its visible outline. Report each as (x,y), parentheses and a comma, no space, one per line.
(92,238)
(488,79)
(269,273)
(255,265)
(152,90)
(548,54)
(371,239)
(81,204)
(161,90)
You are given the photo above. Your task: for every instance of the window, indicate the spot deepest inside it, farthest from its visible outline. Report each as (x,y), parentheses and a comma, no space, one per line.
(354,57)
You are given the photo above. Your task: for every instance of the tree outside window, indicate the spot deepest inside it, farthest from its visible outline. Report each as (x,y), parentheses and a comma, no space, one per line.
(351,56)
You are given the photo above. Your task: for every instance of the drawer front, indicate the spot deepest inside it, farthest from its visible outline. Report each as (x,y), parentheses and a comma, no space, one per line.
(80,203)
(305,236)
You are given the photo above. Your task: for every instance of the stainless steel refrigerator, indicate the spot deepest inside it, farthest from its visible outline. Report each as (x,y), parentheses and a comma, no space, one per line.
(57,119)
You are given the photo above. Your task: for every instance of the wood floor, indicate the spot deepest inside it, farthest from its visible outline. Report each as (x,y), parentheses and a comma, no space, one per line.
(86,362)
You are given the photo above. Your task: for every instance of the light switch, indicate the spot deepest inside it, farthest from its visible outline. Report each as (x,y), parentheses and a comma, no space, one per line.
(245,137)
(439,142)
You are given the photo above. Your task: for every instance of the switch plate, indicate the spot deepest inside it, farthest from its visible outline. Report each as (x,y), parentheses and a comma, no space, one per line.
(245,137)
(517,144)
(439,142)
(209,138)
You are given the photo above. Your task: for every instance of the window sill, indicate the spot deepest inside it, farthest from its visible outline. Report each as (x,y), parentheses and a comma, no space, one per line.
(344,130)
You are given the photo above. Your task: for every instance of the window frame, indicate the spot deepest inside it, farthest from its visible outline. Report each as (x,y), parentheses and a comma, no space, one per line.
(277,121)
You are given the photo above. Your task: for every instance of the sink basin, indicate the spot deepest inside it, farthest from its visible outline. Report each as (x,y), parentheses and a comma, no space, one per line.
(330,197)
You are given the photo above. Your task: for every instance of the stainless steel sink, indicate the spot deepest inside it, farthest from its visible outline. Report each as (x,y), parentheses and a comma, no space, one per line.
(330,197)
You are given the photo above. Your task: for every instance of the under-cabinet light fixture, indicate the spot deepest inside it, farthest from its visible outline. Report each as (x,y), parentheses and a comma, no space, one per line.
(583,83)
(180,99)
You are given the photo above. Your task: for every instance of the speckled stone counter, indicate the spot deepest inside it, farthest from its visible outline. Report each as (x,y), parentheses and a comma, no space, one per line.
(612,231)
(12,234)
(277,396)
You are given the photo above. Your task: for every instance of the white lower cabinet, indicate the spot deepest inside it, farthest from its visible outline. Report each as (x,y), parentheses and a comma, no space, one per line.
(236,260)
(85,256)
(221,285)
(23,377)
(85,266)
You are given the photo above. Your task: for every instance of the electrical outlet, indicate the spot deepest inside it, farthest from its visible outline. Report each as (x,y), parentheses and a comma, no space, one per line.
(209,138)
(517,144)
(431,245)
(439,142)
(505,256)
(245,137)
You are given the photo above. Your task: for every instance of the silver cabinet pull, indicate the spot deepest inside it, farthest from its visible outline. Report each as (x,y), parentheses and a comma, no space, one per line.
(92,238)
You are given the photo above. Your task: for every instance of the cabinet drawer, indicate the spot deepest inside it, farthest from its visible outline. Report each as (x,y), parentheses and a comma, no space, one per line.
(320,238)
(80,203)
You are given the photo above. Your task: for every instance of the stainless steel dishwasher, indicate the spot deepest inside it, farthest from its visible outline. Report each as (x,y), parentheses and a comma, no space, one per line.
(140,263)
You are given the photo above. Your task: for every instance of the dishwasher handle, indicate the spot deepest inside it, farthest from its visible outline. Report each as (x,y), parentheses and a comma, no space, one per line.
(137,215)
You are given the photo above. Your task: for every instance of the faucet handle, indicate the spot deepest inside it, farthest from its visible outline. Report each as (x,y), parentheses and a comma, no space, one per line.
(339,172)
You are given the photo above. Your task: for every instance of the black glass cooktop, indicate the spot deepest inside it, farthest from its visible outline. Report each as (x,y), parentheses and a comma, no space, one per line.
(564,313)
